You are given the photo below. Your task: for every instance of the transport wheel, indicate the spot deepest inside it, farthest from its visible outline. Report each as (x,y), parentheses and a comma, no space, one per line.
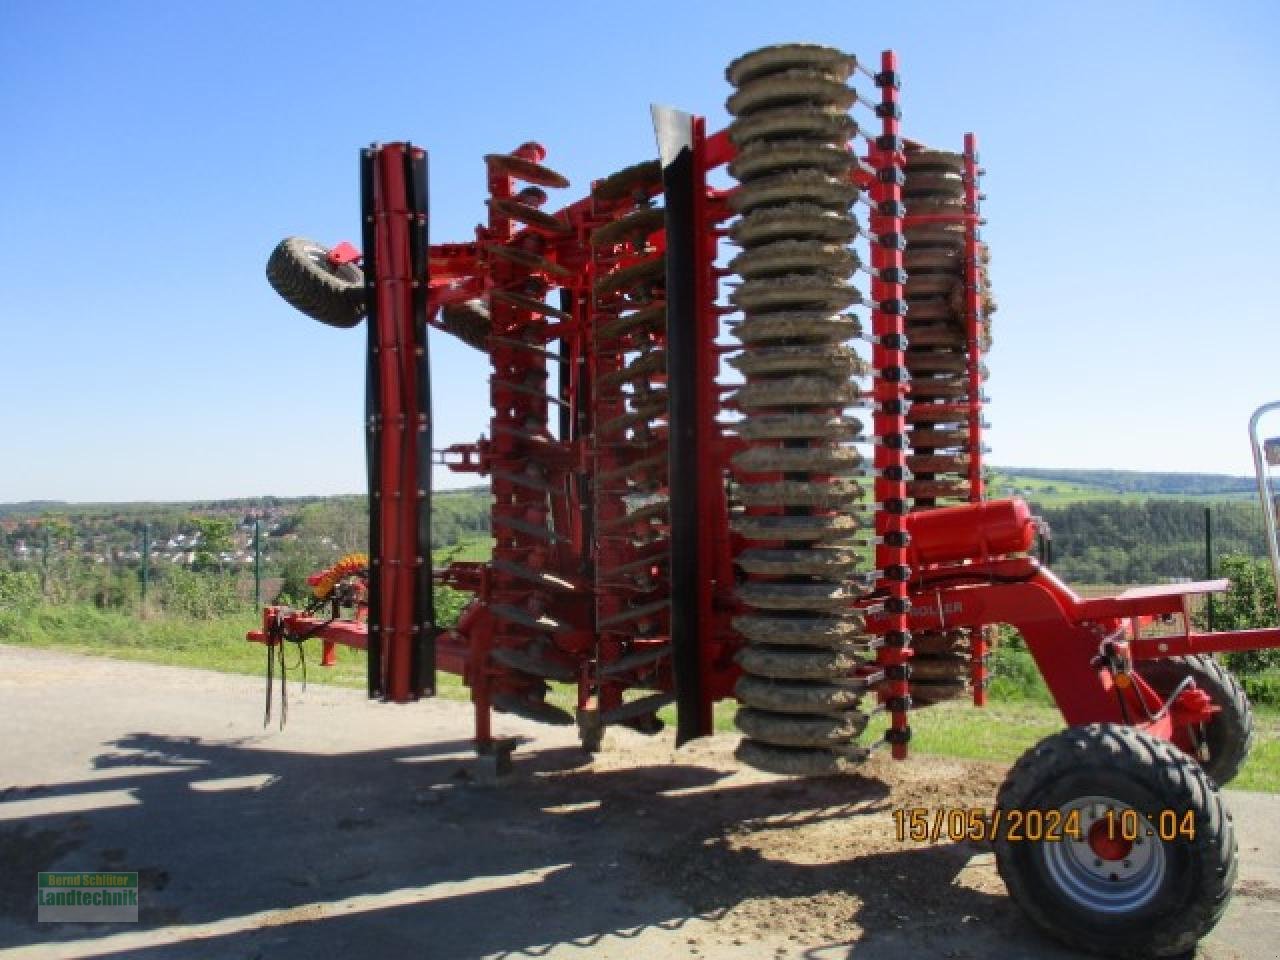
(299,270)
(1222,745)
(1146,856)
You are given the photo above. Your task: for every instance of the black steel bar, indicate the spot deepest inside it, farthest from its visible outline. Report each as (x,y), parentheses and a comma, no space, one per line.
(1208,561)
(423,657)
(565,374)
(687,576)
(373,418)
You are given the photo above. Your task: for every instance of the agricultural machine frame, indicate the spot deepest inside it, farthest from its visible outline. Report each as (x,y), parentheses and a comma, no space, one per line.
(616,562)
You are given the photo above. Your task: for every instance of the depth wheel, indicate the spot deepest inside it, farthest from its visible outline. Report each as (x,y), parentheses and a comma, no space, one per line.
(1222,745)
(1125,879)
(299,270)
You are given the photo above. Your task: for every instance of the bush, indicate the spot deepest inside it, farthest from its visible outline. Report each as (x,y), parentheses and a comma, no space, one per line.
(1250,603)
(1014,674)
(200,596)
(19,591)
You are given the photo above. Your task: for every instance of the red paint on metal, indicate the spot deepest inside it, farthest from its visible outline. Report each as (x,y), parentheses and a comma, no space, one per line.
(889,391)
(398,377)
(965,576)
(344,252)
(970,531)
(973,315)
(1106,841)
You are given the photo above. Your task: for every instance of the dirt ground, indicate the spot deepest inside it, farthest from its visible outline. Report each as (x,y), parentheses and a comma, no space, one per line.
(365,830)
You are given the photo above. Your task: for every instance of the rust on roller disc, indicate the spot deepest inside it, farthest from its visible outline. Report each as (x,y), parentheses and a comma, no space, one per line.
(833,493)
(944,160)
(793,391)
(808,324)
(531,216)
(818,358)
(527,258)
(793,221)
(796,292)
(636,273)
(533,304)
(788,88)
(777,156)
(839,460)
(832,562)
(837,632)
(790,730)
(791,56)
(645,177)
(789,256)
(637,224)
(795,186)
(526,170)
(831,124)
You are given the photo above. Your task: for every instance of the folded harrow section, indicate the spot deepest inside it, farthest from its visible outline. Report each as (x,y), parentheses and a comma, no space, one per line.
(537,612)
(949,329)
(628,454)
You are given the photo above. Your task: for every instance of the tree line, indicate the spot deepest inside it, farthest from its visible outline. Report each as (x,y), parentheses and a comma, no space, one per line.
(1123,542)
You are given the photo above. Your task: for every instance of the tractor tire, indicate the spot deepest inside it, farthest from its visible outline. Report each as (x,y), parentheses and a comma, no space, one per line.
(1151,896)
(1228,737)
(298,270)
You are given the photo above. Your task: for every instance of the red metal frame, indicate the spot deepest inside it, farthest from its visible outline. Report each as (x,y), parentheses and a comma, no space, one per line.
(889,392)
(973,315)
(397,494)
(554,525)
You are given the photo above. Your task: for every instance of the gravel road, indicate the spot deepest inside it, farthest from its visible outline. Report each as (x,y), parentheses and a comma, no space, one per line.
(369,830)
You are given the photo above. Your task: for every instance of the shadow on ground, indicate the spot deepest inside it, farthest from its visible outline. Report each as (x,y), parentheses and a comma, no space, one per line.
(246,851)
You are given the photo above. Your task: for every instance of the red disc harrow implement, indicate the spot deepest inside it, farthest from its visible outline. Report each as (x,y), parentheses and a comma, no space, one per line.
(736,452)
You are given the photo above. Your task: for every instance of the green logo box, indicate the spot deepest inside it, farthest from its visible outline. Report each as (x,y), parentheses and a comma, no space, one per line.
(92,896)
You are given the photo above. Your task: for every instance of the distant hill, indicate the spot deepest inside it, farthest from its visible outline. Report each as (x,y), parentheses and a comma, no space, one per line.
(1109,526)
(28,507)
(1056,486)
(34,508)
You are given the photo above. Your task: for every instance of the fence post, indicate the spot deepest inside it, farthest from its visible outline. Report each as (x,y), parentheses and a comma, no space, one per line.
(257,562)
(1208,558)
(44,565)
(146,562)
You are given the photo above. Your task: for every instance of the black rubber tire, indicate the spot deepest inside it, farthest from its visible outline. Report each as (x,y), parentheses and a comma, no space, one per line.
(1229,735)
(1150,775)
(333,295)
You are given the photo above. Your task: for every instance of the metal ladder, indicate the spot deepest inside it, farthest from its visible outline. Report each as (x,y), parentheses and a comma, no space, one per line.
(1266,454)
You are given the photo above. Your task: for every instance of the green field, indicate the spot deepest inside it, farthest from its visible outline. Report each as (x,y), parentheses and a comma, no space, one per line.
(1067,487)
(1000,732)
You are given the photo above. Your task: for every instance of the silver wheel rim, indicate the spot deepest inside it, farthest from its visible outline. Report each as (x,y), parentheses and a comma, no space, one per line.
(1104,884)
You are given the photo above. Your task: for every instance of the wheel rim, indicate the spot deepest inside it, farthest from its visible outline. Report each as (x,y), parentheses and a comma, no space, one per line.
(1102,871)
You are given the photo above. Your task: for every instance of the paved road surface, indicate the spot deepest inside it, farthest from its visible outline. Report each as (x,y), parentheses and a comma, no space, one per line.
(367,830)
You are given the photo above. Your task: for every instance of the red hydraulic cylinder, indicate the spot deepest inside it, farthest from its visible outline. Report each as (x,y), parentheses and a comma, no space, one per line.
(970,531)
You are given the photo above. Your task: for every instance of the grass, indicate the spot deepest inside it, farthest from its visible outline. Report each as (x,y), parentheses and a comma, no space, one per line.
(1045,493)
(998,733)
(218,645)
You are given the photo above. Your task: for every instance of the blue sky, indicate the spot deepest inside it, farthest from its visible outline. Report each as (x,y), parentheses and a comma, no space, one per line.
(155,152)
